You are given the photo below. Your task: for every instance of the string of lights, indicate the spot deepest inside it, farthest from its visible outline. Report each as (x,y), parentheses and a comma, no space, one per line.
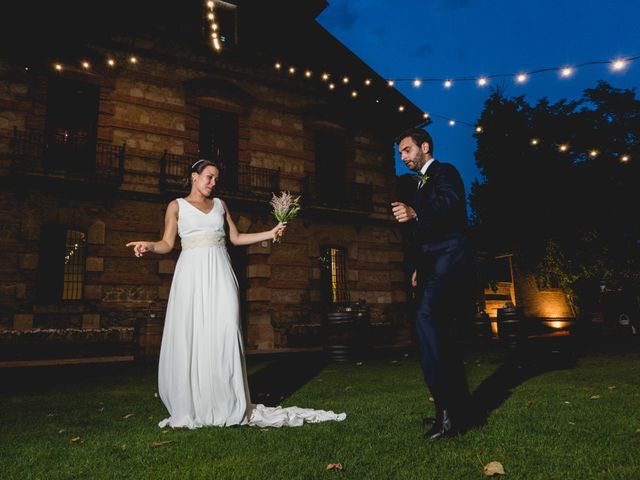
(333,81)
(213,25)
(566,71)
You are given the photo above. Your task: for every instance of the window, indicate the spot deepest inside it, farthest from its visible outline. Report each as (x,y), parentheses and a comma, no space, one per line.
(219,142)
(330,160)
(71,125)
(62,264)
(334,276)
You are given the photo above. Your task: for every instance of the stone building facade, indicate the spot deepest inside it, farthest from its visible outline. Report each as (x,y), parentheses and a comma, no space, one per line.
(91,154)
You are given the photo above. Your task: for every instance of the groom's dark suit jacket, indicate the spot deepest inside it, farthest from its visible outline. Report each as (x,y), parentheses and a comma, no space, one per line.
(441,208)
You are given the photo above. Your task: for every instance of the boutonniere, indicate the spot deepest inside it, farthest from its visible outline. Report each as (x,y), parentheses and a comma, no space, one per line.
(422,180)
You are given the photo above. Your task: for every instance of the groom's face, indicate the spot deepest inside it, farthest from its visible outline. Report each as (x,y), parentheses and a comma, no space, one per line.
(414,157)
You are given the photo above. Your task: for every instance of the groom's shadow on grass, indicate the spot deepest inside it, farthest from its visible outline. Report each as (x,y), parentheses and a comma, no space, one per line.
(531,360)
(283,376)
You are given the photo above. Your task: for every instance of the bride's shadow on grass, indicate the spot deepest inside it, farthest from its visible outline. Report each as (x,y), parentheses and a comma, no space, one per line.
(518,366)
(283,376)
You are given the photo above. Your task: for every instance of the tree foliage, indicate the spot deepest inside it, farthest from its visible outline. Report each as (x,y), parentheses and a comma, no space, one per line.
(571,214)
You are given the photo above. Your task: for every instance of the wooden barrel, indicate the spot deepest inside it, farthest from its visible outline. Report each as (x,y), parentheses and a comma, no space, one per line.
(339,336)
(511,327)
(148,337)
(482,327)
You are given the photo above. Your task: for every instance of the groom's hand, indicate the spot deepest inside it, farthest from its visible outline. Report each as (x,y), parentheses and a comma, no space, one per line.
(402,212)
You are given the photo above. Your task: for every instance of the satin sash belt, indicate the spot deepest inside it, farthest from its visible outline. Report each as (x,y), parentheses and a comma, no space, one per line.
(203,240)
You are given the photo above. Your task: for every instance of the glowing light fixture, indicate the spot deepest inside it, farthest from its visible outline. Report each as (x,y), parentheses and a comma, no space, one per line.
(618,65)
(566,72)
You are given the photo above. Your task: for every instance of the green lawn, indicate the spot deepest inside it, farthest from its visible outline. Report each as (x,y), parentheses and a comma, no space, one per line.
(559,416)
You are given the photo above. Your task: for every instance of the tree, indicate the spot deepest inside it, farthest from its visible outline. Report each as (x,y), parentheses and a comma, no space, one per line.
(560,187)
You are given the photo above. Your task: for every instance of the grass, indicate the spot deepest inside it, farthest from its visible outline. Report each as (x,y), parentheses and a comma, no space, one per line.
(559,416)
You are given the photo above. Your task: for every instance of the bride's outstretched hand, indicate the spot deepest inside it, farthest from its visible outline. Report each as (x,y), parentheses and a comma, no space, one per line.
(140,248)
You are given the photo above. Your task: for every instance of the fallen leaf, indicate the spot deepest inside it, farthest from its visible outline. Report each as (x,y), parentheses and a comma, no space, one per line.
(493,468)
(529,403)
(124,447)
(431,399)
(571,423)
(638,430)
(595,397)
(161,443)
(568,403)
(348,387)
(611,387)
(128,415)
(76,440)
(335,466)
(60,432)
(101,410)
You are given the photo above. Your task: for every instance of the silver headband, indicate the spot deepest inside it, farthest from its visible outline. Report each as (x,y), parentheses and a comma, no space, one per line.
(201,160)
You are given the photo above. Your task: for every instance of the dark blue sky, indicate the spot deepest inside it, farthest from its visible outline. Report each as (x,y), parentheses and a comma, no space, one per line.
(469,38)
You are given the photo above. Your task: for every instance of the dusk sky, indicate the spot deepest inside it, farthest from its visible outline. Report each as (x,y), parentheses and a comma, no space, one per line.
(471,38)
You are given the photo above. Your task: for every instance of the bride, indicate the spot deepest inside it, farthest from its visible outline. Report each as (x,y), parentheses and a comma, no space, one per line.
(202,378)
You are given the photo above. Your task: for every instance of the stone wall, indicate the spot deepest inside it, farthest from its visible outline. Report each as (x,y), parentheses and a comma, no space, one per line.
(148,109)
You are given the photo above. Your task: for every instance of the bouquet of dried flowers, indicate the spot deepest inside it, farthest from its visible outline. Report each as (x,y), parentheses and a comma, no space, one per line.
(285,208)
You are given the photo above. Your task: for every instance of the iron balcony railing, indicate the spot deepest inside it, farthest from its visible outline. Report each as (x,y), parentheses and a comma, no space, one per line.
(337,194)
(32,153)
(242,179)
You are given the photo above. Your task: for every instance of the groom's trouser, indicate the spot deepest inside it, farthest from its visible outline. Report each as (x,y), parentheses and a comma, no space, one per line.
(446,279)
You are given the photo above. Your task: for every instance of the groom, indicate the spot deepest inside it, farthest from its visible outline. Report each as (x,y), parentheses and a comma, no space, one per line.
(443,272)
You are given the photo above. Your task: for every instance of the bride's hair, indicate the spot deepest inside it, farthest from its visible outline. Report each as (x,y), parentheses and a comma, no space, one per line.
(198,167)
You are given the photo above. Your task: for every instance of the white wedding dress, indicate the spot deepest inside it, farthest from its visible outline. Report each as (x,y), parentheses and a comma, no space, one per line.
(202,378)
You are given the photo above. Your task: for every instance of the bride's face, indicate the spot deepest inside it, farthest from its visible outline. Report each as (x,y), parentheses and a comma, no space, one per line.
(206,180)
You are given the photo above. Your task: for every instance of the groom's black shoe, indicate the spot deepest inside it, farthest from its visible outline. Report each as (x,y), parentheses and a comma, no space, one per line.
(443,428)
